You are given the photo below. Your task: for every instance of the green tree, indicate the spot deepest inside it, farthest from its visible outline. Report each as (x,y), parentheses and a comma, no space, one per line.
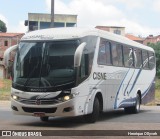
(156,48)
(3,27)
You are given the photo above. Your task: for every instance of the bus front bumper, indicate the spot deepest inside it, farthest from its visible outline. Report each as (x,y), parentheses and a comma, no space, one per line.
(72,107)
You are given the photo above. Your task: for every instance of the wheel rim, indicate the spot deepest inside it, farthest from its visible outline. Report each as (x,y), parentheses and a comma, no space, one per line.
(138,104)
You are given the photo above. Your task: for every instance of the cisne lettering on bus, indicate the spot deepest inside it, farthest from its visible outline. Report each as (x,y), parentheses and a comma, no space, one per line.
(105,76)
(38,37)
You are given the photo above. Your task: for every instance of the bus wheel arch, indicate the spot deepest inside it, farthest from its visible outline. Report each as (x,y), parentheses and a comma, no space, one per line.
(100,98)
(97,107)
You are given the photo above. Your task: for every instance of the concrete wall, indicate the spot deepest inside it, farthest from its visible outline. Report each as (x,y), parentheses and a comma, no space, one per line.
(57,18)
(38,21)
(112,29)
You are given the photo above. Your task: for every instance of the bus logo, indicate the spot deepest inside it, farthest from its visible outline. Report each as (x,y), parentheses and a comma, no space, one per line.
(38,102)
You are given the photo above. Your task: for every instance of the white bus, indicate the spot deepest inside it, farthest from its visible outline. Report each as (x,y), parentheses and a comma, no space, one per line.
(75,71)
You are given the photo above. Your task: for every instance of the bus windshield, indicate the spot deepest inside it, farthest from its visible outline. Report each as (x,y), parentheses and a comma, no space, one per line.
(45,64)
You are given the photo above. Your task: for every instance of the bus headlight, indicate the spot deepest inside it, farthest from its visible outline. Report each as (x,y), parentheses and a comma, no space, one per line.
(66,98)
(15,97)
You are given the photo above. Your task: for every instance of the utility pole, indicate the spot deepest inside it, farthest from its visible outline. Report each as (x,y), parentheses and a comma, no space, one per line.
(52,14)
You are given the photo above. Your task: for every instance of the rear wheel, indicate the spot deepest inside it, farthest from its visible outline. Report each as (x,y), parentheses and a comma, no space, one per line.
(44,119)
(136,108)
(91,118)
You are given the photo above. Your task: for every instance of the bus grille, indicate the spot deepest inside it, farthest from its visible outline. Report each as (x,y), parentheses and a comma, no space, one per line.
(42,102)
(45,110)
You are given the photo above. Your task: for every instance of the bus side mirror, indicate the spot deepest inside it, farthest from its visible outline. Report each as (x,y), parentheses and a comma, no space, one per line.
(78,54)
(7,60)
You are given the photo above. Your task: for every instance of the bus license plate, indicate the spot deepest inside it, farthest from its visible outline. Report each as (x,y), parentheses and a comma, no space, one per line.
(39,114)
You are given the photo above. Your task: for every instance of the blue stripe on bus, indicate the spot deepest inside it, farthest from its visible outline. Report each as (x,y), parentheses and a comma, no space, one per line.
(131,99)
(119,90)
(128,83)
(135,80)
(145,92)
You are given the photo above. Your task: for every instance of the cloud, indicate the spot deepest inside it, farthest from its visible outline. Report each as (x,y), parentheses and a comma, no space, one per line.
(128,4)
(19,28)
(59,7)
(156,5)
(104,12)
(4,19)
(89,12)
(136,28)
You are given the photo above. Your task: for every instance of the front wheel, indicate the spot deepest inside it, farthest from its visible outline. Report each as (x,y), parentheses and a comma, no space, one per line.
(135,109)
(91,118)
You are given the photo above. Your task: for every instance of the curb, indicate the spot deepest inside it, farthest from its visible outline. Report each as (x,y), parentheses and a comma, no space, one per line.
(5,103)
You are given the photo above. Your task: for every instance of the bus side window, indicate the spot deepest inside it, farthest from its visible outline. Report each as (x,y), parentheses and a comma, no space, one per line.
(151,60)
(104,57)
(128,57)
(145,59)
(117,55)
(138,58)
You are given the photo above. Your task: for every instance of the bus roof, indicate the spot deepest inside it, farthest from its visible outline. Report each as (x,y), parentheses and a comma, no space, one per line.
(75,32)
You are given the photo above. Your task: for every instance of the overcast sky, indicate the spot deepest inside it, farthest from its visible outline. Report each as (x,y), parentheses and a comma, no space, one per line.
(140,17)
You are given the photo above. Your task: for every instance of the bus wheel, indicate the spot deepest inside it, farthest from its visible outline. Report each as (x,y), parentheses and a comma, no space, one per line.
(135,109)
(44,119)
(91,118)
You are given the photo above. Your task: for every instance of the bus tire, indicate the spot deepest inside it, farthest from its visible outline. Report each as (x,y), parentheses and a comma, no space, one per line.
(44,119)
(135,109)
(91,118)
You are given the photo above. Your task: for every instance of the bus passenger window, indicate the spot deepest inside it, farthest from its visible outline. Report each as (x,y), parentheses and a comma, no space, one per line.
(138,58)
(145,59)
(117,55)
(102,59)
(104,53)
(151,60)
(128,57)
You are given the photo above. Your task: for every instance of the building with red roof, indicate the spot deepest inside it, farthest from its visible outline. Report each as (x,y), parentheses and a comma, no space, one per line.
(7,40)
(134,38)
(152,39)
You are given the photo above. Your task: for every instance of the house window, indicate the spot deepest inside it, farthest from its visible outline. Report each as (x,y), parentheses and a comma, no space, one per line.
(117,32)
(5,43)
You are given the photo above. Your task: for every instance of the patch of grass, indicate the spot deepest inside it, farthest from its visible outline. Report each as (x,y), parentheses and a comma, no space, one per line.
(157,94)
(5,89)
(157,84)
(156,100)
